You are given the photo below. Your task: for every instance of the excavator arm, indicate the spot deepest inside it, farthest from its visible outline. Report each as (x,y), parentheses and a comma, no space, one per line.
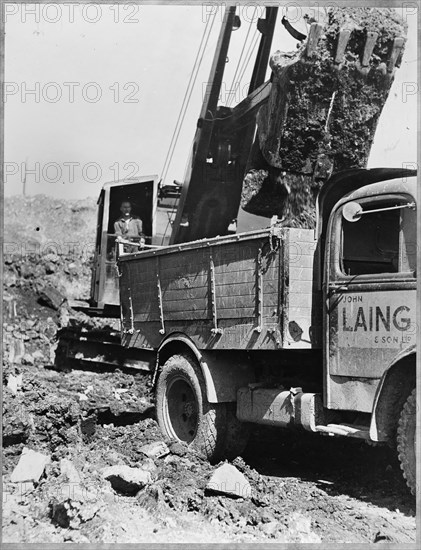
(317,114)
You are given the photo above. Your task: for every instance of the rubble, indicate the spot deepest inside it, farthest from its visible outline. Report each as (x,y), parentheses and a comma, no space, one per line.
(28,359)
(157,449)
(74,511)
(17,422)
(30,467)
(229,481)
(127,480)
(299,529)
(51,297)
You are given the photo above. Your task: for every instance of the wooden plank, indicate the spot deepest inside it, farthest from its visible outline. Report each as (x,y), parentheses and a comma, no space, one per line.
(270,292)
(245,276)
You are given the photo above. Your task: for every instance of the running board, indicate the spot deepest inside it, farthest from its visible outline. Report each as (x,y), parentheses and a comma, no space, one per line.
(361,432)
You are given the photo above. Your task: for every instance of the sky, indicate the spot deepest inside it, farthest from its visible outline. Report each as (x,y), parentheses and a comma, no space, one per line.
(93,93)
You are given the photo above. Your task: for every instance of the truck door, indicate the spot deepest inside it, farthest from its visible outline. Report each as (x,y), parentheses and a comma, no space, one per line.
(96,270)
(370,295)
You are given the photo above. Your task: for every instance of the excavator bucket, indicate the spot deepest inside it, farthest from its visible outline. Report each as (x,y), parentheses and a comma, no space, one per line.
(322,110)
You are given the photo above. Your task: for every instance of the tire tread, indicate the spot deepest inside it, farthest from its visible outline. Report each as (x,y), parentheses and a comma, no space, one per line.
(403,445)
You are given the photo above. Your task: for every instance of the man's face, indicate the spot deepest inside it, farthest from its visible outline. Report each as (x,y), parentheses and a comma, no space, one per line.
(125,208)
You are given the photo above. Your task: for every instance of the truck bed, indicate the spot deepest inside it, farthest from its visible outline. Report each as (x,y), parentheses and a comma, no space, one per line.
(247,291)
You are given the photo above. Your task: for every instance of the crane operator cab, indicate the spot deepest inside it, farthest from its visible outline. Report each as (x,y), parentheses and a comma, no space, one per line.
(126,209)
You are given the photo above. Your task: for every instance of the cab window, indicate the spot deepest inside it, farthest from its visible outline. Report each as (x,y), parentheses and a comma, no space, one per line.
(380,242)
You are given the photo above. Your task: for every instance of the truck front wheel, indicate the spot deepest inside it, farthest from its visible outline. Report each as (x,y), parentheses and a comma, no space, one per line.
(183,411)
(406,441)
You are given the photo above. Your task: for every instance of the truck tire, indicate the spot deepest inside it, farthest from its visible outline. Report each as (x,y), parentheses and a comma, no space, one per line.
(406,441)
(183,411)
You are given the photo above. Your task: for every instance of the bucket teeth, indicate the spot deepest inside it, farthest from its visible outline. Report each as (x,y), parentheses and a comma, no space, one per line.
(313,38)
(370,42)
(343,39)
(395,54)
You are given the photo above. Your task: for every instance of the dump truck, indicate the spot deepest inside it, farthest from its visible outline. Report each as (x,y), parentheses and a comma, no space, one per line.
(312,329)
(306,318)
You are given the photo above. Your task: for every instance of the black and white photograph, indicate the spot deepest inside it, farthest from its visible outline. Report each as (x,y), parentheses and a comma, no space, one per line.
(209,273)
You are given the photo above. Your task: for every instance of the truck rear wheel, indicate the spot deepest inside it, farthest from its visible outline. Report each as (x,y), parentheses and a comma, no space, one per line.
(406,441)
(183,410)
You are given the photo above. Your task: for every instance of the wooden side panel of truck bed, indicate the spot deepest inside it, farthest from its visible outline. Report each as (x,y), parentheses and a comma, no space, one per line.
(248,291)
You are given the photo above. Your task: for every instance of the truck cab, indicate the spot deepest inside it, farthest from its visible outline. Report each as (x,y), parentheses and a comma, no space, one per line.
(369,289)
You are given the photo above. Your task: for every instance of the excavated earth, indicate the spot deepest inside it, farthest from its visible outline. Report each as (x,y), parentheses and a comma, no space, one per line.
(304,487)
(321,114)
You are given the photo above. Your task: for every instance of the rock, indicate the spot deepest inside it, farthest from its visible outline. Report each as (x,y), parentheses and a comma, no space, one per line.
(267,517)
(385,537)
(270,528)
(51,257)
(148,465)
(229,481)
(39,271)
(76,537)
(49,329)
(64,317)
(38,355)
(299,529)
(9,279)
(17,351)
(73,268)
(27,359)
(30,467)
(157,449)
(68,470)
(88,426)
(179,448)
(14,383)
(125,479)
(25,271)
(50,268)
(51,297)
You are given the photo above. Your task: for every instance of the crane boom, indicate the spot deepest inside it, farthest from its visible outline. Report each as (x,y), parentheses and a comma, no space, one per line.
(212,185)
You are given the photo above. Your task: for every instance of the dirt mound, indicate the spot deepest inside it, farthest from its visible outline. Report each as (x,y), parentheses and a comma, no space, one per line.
(40,223)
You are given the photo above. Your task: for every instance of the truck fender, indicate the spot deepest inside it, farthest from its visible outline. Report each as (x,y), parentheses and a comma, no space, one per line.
(394,387)
(224,373)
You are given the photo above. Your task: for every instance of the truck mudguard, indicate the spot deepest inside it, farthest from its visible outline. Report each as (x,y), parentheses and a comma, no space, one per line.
(224,372)
(393,389)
